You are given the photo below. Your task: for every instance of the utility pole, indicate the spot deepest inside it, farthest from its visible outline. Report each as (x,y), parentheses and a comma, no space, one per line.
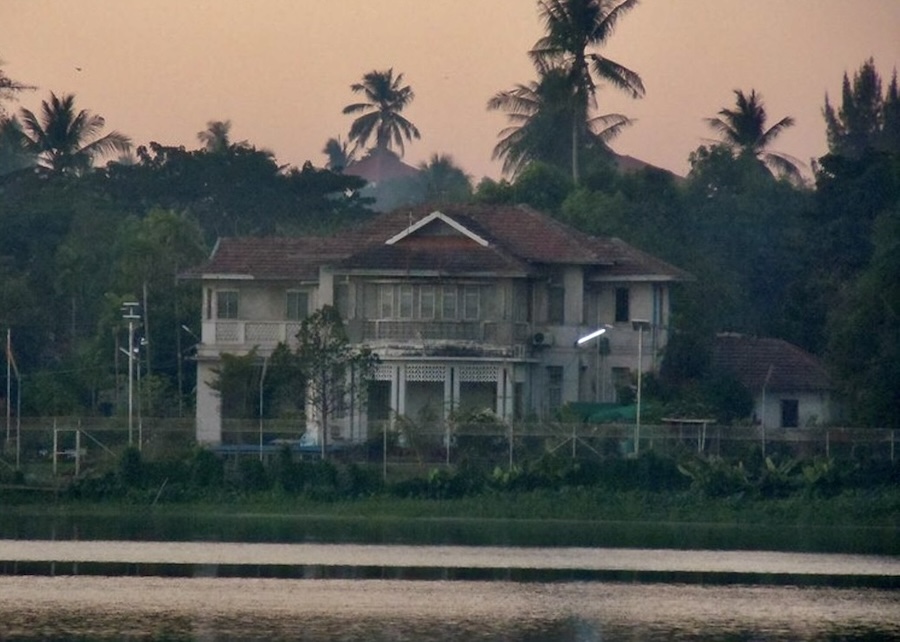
(129,313)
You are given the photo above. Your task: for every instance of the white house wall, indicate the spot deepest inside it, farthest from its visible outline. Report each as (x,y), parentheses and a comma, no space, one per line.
(261,311)
(813,408)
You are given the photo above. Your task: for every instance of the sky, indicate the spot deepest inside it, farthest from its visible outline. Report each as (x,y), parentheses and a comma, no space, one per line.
(281,70)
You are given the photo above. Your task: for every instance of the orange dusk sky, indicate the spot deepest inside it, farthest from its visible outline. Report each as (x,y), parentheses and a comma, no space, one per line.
(280,70)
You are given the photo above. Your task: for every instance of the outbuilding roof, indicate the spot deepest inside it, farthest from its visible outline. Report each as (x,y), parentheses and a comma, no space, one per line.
(771,363)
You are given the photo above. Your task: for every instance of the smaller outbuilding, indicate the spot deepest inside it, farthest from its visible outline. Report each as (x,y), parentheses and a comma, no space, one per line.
(790,387)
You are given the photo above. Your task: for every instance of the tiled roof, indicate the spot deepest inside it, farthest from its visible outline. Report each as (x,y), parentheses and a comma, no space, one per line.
(773,363)
(628,261)
(268,257)
(380,165)
(519,239)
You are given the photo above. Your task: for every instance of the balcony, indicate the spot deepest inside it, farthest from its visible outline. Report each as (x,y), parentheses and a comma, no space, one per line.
(228,334)
(249,333)
(491,332)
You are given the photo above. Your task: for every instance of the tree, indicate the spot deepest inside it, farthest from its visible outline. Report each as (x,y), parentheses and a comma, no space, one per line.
(866,121)
(573,28)
(65,141)
(442,181)
(537,112)
(335,371)
(386,97)
(14,150)
(864,331)
(216,137)
(743,130)
(339,153)
(8,90)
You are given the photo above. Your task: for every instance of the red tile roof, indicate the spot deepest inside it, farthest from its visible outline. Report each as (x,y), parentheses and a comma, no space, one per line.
(773,363)
(519,239)
(380,165)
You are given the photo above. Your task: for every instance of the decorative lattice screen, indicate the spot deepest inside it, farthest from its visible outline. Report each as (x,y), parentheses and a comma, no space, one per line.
(425,372)
(478,373)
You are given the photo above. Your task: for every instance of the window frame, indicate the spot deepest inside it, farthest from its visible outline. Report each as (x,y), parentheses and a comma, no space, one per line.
(228,304)
(295,315)
(449,294)
(623,304)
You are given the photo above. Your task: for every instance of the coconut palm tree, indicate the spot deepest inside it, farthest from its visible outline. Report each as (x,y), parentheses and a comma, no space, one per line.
(385,97)
(64,140)
(573,29)
(744,131)
(339,152)
(443,181)
(537,112)
(216,137)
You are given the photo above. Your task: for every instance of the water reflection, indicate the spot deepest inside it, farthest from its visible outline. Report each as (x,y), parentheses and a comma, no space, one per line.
(68,608)
(161,526)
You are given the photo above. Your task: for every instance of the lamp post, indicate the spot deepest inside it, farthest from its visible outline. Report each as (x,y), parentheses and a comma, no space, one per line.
(596,334)
(129,313)
(639,325)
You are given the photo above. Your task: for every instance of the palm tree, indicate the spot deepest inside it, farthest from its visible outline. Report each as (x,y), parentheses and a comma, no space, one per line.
(64,140)
(386,97)
(743,130)
(339,154)
(573,28)
(216,136)
(443,181)
(537,112)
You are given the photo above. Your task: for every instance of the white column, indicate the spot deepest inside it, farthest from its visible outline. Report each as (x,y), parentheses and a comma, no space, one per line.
(209,407)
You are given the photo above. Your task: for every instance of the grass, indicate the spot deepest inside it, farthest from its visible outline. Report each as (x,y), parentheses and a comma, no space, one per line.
(877,507)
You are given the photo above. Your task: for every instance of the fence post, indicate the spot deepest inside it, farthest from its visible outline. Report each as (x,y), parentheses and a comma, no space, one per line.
(55,445)
(77,451)
(510,465)
(574,438)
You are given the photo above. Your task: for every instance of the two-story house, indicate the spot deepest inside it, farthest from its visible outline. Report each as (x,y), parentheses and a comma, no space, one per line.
(467,307)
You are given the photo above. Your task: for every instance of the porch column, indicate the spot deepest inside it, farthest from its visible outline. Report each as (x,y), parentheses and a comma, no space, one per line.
(209,407)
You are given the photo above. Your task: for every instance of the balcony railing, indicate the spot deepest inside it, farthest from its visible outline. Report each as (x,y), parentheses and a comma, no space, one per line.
(270,333)
(497,333)
(253,333)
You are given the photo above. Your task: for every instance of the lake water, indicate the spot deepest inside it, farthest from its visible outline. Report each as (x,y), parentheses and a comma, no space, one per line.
(188,590)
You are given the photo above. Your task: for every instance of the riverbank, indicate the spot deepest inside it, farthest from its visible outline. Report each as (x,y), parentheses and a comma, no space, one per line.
(877,507)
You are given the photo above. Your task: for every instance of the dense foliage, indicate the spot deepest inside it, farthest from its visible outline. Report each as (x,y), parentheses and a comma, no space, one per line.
(814,264)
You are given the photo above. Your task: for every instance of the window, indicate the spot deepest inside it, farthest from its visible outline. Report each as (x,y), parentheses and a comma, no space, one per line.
(471,303)
(426,302)
(623,305)
(448,302)
(296,305)
(386,300)
(406,302)
(556,300)
(227,304)
(554,388)
(790,413)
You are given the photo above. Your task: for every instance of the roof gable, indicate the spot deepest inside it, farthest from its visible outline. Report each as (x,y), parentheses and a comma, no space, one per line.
(430,221)
(457,239)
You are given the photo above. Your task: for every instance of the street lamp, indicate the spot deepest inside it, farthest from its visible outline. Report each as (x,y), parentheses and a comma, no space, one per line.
(639,325)
(130,314)
(596,334)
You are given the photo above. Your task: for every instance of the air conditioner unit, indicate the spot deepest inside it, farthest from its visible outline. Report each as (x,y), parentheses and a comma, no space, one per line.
(541,339)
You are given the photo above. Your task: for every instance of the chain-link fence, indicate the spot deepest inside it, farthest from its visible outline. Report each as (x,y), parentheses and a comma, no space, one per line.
(75,444)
